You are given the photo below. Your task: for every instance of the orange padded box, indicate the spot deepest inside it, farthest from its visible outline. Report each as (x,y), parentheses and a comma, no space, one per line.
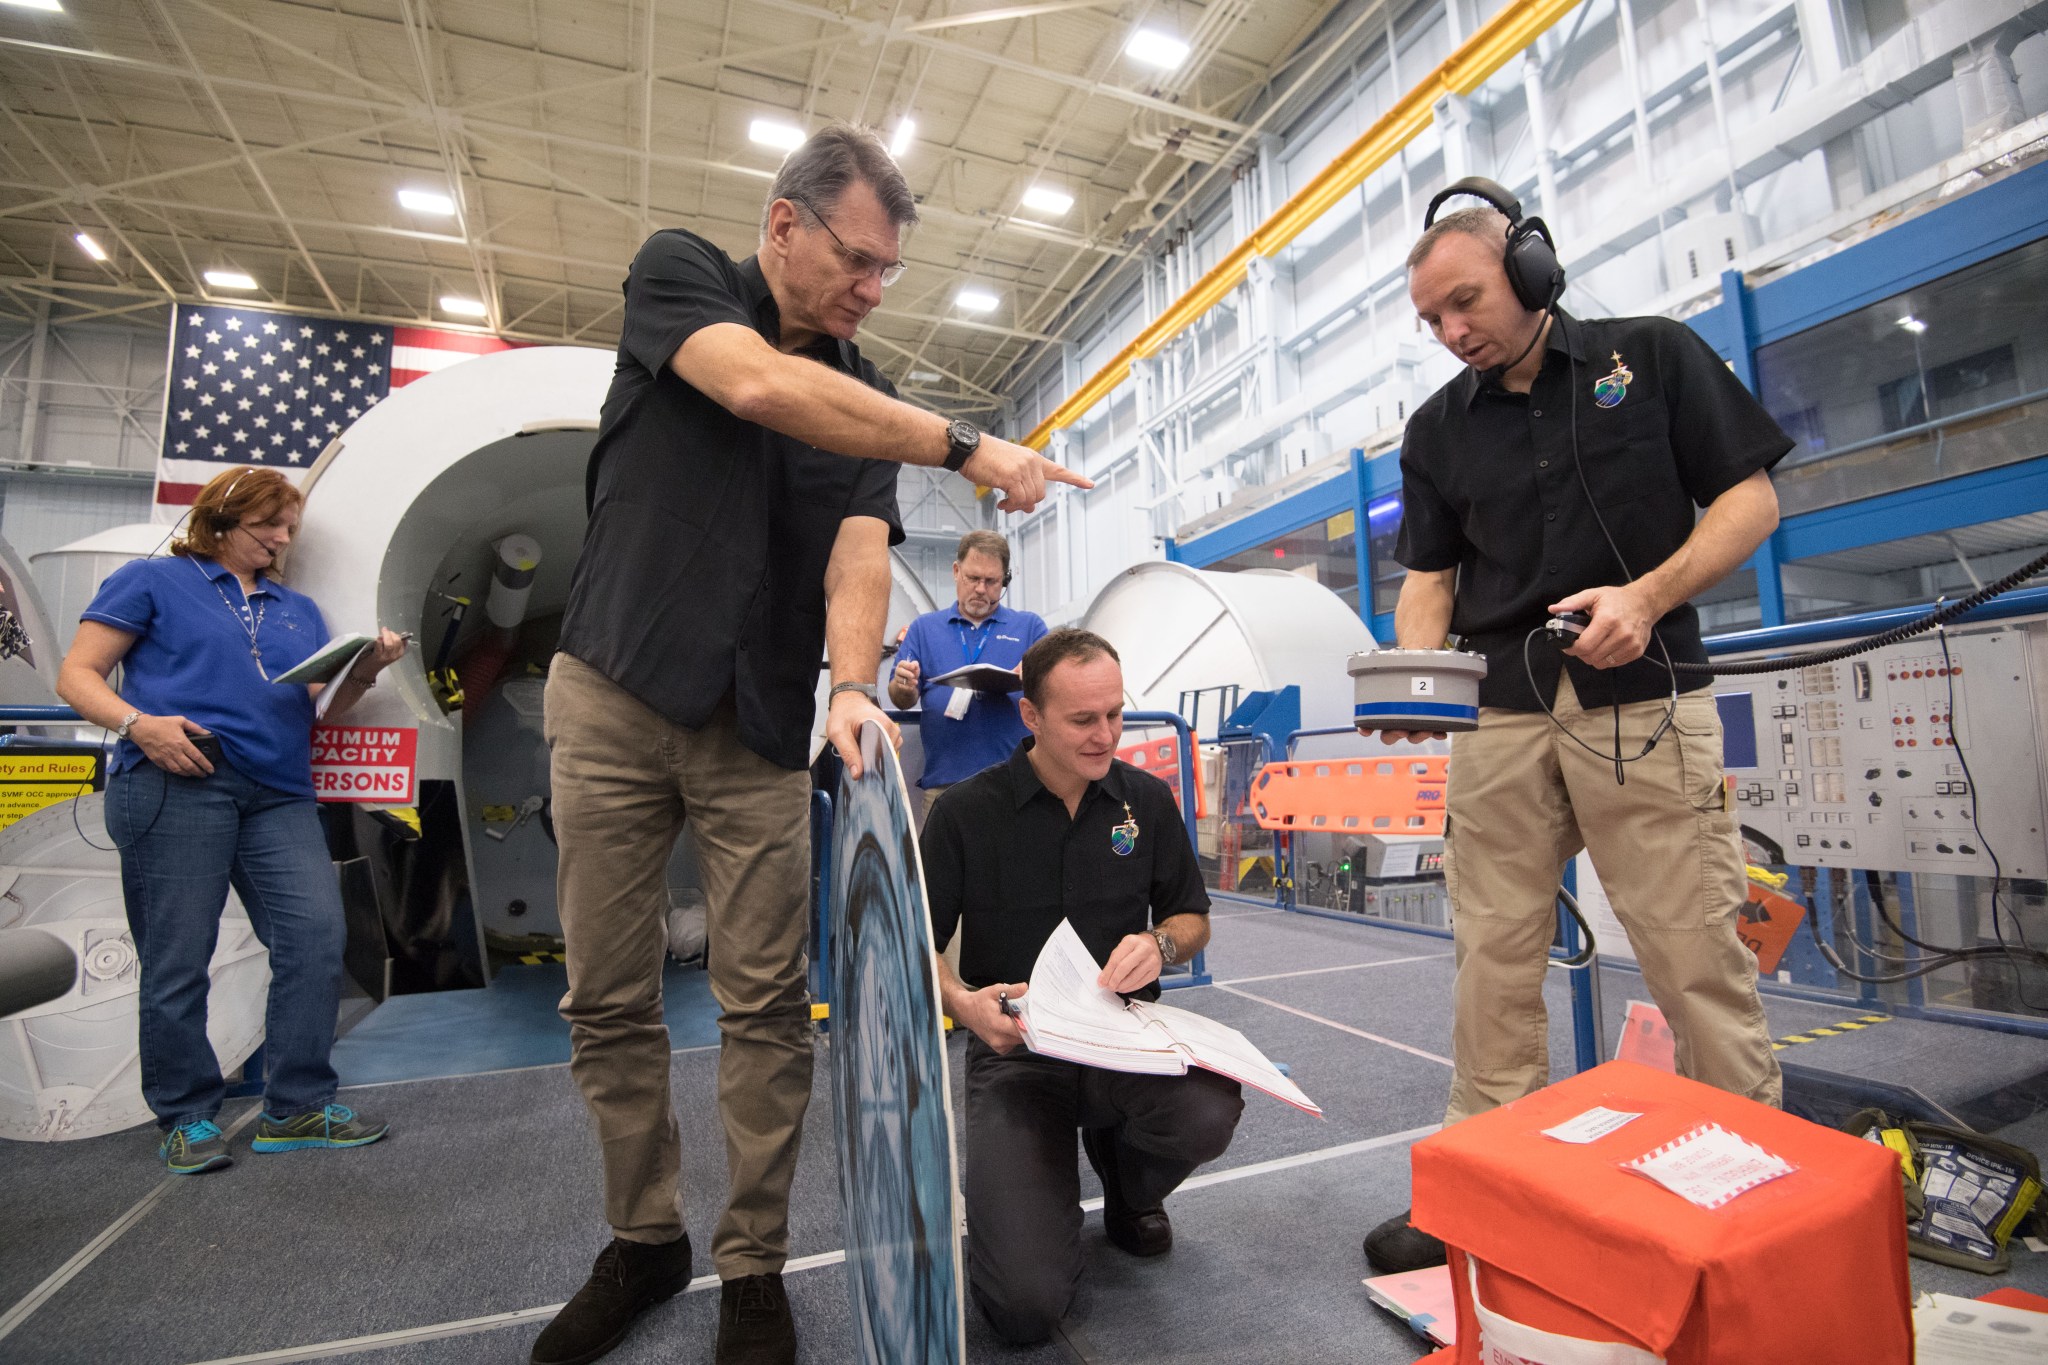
(1807,1268)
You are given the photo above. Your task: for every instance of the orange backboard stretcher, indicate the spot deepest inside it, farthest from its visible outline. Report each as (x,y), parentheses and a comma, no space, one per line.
(1352,795)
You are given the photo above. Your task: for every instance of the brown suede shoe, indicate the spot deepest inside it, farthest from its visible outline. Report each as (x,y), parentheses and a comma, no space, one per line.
(754,1324)
(628,1279)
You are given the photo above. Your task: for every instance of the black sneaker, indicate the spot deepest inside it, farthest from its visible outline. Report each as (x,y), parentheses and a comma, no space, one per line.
(1397,1246)
(194,1148)
(754,1325)
(627,1280)
(1140,1232)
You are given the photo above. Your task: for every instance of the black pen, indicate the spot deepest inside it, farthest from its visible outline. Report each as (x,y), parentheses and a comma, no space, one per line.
(1003,1003)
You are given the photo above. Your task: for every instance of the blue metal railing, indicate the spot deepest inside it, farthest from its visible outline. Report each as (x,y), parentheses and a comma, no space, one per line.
(40,715)
(2018,602)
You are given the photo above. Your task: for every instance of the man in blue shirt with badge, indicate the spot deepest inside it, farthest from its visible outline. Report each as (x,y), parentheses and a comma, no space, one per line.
(965,730)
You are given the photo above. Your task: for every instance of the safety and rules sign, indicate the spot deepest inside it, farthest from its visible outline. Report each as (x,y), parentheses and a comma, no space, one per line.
(369,763)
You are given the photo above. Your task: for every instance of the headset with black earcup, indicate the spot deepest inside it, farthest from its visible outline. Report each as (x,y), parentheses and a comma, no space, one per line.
(1532,265)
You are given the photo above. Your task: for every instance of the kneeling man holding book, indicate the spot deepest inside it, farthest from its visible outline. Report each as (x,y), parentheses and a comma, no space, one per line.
(1071,870)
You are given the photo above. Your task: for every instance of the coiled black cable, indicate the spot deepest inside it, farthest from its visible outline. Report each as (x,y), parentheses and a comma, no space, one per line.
(1933,620)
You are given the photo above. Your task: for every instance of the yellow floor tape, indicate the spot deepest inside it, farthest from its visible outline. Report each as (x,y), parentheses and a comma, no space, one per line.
(1814,1035)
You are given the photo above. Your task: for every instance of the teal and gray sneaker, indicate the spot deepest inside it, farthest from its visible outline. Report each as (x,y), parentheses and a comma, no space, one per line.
(193,1148)
(335,1126)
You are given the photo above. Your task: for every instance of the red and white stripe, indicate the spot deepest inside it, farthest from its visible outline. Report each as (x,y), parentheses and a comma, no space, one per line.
(417,352)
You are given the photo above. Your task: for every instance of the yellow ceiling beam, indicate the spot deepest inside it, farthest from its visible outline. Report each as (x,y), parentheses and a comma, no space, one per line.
(1478,58)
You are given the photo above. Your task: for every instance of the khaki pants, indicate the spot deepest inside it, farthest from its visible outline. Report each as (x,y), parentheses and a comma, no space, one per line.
(1524,800)
(624,779)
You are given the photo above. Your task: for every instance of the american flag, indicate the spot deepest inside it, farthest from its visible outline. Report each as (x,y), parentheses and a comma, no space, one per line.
(252,387)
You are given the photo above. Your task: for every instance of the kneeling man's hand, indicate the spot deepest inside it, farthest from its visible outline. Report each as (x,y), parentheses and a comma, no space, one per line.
(1134,965)
(982,1012)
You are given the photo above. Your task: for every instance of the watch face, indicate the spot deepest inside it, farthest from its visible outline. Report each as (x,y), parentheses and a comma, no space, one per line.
(963,434)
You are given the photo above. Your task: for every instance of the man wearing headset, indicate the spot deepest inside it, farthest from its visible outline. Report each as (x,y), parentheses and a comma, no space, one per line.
(1558,473)
(965,730)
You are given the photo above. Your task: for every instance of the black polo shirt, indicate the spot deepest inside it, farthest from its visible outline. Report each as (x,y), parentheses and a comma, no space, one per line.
(1000,851)
(1489,489)
(703,571)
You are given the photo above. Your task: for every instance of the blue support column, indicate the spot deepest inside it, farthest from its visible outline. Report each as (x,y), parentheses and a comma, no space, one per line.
(1361,534)
(1586,1023)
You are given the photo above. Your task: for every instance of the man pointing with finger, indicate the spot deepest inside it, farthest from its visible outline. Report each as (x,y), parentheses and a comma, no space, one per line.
(742,504)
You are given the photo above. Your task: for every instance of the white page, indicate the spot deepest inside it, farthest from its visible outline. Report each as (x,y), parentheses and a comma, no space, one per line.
(1709,1166)
(1066,1014)
(1953,1331)
(1591,1126)
(326,698)
(1224,1050)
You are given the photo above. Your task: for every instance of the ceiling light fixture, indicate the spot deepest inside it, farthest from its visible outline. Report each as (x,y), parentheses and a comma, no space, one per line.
(925,376)
(1152,48)
(976,300)
(784,137)
(900,140)
(427,201)
(230,279)
(463,308)
(47,6)
(90,247)
(1912,324)
(1046,199)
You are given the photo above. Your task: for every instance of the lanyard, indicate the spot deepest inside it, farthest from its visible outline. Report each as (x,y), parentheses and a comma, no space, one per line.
(243,619)
(986,629)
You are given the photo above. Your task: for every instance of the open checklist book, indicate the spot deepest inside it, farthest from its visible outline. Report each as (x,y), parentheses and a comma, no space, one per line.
(1066,1015)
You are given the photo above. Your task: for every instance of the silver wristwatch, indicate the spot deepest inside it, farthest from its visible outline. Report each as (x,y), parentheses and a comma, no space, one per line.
(121,730)
(865,689)
(1169,951)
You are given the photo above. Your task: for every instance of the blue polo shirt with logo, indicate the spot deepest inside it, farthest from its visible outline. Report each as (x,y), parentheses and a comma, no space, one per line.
(191,658)
(941,641)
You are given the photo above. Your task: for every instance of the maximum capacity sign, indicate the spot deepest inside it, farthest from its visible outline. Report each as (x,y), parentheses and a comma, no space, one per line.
(370,763)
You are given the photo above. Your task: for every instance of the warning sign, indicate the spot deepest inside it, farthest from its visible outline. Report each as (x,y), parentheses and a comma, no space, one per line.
(31,779)
(371,763)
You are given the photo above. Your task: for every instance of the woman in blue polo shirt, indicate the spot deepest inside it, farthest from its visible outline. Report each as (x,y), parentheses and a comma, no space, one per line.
(211,785)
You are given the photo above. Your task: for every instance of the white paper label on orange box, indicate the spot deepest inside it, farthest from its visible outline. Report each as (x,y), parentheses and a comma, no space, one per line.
(369,763)
(1709,1165)
(1503,1341)
(1591,1126)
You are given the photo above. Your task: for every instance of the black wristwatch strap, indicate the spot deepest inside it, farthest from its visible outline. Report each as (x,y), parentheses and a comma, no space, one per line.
(962,440)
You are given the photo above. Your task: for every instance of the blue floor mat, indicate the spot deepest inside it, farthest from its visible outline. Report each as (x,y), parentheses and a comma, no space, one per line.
(510,1023)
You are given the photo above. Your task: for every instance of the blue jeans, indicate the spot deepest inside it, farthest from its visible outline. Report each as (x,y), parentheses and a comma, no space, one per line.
(183,841)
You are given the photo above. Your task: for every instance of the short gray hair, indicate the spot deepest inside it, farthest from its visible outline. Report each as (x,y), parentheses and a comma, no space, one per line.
(989,543)
(835,156)
(1486,223)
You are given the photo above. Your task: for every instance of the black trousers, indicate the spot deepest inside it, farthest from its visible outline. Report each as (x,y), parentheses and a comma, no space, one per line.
(1024,1116)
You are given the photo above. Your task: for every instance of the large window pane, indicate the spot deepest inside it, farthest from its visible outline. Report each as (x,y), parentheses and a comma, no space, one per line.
(1939,380)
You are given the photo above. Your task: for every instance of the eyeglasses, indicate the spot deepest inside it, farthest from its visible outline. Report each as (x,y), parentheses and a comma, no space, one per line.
(858,263)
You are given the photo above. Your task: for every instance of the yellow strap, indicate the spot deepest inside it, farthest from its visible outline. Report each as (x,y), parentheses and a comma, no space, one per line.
(2022,1201)
(1774,880)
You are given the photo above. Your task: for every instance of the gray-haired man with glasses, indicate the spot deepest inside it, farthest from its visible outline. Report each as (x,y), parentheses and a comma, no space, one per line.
(742,496)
